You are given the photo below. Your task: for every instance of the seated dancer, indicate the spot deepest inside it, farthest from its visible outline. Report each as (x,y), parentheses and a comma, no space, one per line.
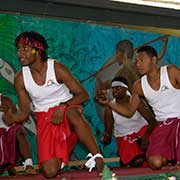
(161,87)
(128,131)
(56,96)
(13,142)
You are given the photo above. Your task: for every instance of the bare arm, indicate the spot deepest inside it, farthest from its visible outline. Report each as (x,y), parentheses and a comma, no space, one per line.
(149,117)
(133,104)
(63,75)
(174,76)
(24,102)
(7,104)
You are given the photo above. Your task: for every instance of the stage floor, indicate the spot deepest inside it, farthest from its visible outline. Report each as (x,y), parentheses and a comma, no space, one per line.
(85,175)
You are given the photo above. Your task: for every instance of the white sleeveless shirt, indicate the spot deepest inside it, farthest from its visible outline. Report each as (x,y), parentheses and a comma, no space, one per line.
(124,126)
(165,101)
(50,94)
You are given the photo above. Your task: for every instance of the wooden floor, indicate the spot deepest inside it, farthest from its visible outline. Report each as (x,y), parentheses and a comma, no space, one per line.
(85,175)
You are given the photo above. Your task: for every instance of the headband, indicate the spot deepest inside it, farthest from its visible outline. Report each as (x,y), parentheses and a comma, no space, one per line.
(118,83)
(34,43)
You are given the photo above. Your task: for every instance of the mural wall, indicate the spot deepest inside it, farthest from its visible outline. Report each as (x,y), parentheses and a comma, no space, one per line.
(83,48)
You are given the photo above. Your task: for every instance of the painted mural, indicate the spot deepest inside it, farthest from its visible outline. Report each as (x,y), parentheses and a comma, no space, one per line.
(83,48)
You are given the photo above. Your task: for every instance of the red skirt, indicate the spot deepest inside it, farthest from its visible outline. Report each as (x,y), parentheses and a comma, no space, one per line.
(54,141)
(165,140)
(128,147)
(8,141)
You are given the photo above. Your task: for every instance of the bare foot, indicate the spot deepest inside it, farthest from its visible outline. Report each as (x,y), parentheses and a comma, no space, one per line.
(176,167)
(99,164)
(30,170)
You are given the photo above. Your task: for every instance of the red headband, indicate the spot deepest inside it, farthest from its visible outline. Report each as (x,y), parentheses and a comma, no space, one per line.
(34,43)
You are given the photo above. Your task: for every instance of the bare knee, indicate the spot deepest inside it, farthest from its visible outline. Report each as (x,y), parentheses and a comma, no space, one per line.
(156,162)
(50,168)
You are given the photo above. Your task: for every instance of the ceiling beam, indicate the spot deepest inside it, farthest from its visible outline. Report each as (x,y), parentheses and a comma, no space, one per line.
(102,11)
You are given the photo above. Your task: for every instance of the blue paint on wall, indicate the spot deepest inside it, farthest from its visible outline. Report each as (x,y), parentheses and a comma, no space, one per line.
(83,48)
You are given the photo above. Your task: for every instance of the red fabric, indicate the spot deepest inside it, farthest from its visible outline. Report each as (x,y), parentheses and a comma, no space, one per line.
(54,140)
(165,140)
(128,147)
(3,150)
(8,139)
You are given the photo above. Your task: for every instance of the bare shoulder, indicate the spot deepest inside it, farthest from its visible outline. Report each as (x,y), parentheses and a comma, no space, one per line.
(172,68)
(18,80)
(173,71)
(174,75)
(59,67)
(62,72)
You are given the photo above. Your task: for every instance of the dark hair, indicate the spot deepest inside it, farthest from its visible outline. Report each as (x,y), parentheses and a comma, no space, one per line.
(121,79)
(126,47)
(151,52)
(38,41)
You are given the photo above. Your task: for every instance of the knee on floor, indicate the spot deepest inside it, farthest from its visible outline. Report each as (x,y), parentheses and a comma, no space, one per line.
(49,172)
(156,162)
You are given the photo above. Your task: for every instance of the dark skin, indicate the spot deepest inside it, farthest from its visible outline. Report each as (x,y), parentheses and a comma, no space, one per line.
(145,65)
(130,73)
(23,144)
(121,98)
(75,116)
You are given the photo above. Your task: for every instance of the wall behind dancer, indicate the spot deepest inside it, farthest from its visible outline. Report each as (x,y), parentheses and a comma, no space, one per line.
(82,47)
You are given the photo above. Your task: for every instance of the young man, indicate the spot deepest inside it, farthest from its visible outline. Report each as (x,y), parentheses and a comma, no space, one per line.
(128,131)
(161,87)
(10,137)
(124,56)
(56,96)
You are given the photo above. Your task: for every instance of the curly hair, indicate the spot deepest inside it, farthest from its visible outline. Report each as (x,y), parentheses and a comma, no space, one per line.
(36,39)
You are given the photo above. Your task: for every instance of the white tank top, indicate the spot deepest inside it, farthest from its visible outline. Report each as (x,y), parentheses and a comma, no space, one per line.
(50,94)
(124,126)
(165,101)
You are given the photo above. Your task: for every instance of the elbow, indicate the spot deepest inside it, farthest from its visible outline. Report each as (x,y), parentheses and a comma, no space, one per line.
(83,96)
(86,96)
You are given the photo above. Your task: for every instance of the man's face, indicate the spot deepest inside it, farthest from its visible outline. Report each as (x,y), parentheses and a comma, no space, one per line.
(143,63)
(119,92)
(25,53)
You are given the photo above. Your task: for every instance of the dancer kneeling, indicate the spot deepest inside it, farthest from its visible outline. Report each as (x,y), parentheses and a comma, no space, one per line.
(156,85)
(56,96)
(132,134)
(13,134)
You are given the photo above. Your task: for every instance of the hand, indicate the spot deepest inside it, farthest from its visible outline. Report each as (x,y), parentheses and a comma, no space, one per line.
(8,117)
(165,39)
(57,117)
(3,108)
(144,143)
(106,139)
(102,97)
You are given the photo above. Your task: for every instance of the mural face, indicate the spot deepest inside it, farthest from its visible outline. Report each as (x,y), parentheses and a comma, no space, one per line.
(84,48)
